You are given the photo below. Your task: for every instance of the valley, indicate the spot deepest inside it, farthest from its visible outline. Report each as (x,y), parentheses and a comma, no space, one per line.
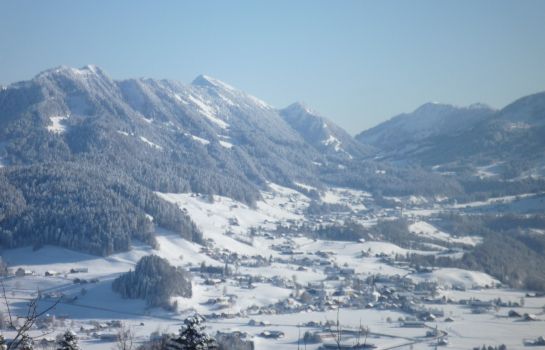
(130,205)
(279,286)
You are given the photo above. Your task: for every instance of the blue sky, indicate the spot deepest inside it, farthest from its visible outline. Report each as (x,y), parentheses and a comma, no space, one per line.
(356,62)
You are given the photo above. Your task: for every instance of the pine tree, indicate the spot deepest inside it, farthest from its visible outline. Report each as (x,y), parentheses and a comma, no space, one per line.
(26,343)
(68,341)
(192,336)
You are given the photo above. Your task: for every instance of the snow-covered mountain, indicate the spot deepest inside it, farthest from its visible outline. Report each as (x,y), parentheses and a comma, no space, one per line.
(207,123)
(85,143)
(95,149)
(320,132)
(510,141)
(409,131)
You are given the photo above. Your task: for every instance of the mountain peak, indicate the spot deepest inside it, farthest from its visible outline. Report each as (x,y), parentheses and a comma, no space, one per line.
(85,71)
(209,82)
(301,108)
(433,107)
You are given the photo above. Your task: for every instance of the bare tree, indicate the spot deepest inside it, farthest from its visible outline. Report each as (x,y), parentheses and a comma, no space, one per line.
(28,320)
(365,332)
(336,333)
(125,338)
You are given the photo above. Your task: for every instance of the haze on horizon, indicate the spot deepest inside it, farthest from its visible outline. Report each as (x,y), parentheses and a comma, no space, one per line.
(356,62)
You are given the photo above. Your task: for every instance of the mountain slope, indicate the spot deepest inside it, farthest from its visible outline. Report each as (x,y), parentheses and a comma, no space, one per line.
(511,139)
(123,140)
(409,131)
(83,153)
(324,135)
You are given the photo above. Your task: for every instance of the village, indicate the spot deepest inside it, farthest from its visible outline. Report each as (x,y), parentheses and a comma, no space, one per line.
(260,283)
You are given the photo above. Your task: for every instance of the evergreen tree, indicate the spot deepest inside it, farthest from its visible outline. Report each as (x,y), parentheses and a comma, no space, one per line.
(26,343)
(67,341)
(192,336)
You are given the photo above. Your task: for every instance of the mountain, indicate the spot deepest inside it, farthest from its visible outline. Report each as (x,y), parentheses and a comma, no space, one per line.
(324,135)
(83,154)
(409,131)
(507,142)
(65,113)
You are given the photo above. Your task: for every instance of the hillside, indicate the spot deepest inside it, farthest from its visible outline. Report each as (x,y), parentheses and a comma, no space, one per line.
(324,135)
(95,149)
(505,143)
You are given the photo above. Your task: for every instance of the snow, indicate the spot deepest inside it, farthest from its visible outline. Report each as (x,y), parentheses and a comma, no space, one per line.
(451,277)
(148,142)
(171,246)
(200,140)
(124,133)
(427,230)
(214,215)
(258,102)
(57,126)
(353,199)
(488,170)
(207,111)
(85,72)
(214,218)
(227,100)
(218,83)
(495,200)
(2,150)
(305,186)
(180,99)
(332,140)
(226,144)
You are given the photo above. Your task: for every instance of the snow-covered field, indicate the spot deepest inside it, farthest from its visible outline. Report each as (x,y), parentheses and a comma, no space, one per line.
(427,230)
(294,262)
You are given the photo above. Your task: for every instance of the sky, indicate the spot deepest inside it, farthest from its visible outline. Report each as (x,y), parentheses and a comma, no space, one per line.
(356,62)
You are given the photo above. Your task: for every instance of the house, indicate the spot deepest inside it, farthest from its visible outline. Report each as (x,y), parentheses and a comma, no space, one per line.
(79,270)
(513,313)
(23,272)
(347,271)
(50,273)
(271,334)
(539,341)
(530,317)
(442,342)
(234,340)
(413,324)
